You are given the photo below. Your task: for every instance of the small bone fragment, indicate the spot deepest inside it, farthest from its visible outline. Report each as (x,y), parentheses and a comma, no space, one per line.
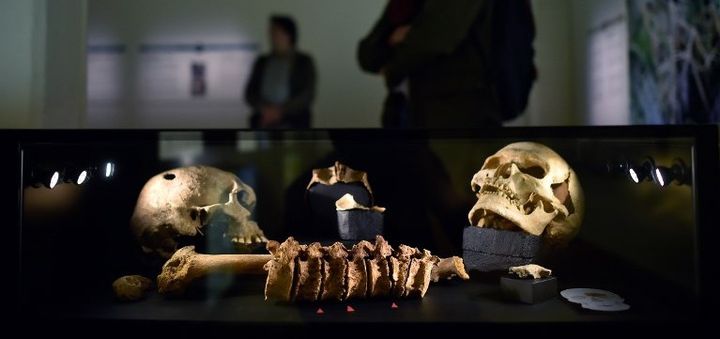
(131,287)
(347,202)
(448,268)
(531,270)
(186,265)
(339,173)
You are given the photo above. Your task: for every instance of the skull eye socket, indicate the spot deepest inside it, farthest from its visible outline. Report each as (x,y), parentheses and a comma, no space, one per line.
(534,171)
(242,197)
(492,163)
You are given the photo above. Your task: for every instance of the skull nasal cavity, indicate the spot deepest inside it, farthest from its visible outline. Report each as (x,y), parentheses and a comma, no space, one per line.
(169,176)
(202,214)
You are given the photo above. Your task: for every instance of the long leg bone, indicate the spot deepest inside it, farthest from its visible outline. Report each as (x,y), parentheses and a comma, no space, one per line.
(186,265)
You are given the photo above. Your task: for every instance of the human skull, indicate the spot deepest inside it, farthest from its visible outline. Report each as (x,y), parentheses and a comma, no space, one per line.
(527,186)
(182,201)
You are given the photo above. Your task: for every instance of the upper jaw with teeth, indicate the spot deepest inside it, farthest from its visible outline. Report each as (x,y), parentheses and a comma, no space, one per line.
(499,207)
(502,190)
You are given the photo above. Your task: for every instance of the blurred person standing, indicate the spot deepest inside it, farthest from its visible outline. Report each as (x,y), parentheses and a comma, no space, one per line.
(281,88)
(467,63)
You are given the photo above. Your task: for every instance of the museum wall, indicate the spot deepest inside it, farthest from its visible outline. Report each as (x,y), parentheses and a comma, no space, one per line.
(19,63)
(601,54)
(582,60)
(43,64)
(329,30)
(65,64)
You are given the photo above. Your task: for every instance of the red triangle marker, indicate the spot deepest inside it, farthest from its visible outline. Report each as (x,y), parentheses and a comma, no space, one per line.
(394,306)
(319,311)
(349,309)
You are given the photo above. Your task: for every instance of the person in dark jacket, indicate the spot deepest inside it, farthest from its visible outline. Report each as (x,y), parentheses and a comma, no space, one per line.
(435,46)
(281,88)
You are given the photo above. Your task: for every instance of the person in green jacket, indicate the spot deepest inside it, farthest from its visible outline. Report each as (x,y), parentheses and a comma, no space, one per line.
(435,46)
(282,84)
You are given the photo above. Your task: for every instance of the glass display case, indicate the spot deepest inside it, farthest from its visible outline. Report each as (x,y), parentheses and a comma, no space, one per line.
(645,234)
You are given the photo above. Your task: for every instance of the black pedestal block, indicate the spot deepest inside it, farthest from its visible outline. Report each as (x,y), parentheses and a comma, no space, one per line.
(321,201)
(529,291)
(487,249)
(359,224)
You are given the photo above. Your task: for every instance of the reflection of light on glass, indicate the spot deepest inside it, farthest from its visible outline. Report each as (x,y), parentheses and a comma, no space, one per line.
(105,79)
(659,176)
(82,178)
(247,142)
(607,69)
(634,176)
(187,159)
(182,147)
(54,179)
(109,169)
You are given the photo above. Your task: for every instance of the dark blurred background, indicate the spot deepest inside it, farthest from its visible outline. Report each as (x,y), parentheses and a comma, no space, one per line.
(133,63)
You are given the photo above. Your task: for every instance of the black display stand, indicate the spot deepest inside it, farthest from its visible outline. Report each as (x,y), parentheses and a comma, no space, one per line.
(529,291)
(487,249)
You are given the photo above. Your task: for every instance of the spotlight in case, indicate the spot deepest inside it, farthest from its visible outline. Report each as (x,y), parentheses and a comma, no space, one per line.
(52,174)
(54,179)
(45,177)
(108,170)
(633,175)
(639,173)
(678,172)
(77,175)
(660,176)
(681,172)
(82,177)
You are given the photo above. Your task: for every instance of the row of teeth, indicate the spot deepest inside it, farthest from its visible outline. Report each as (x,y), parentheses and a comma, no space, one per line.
(505,192)
(249,239)
(513,198)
